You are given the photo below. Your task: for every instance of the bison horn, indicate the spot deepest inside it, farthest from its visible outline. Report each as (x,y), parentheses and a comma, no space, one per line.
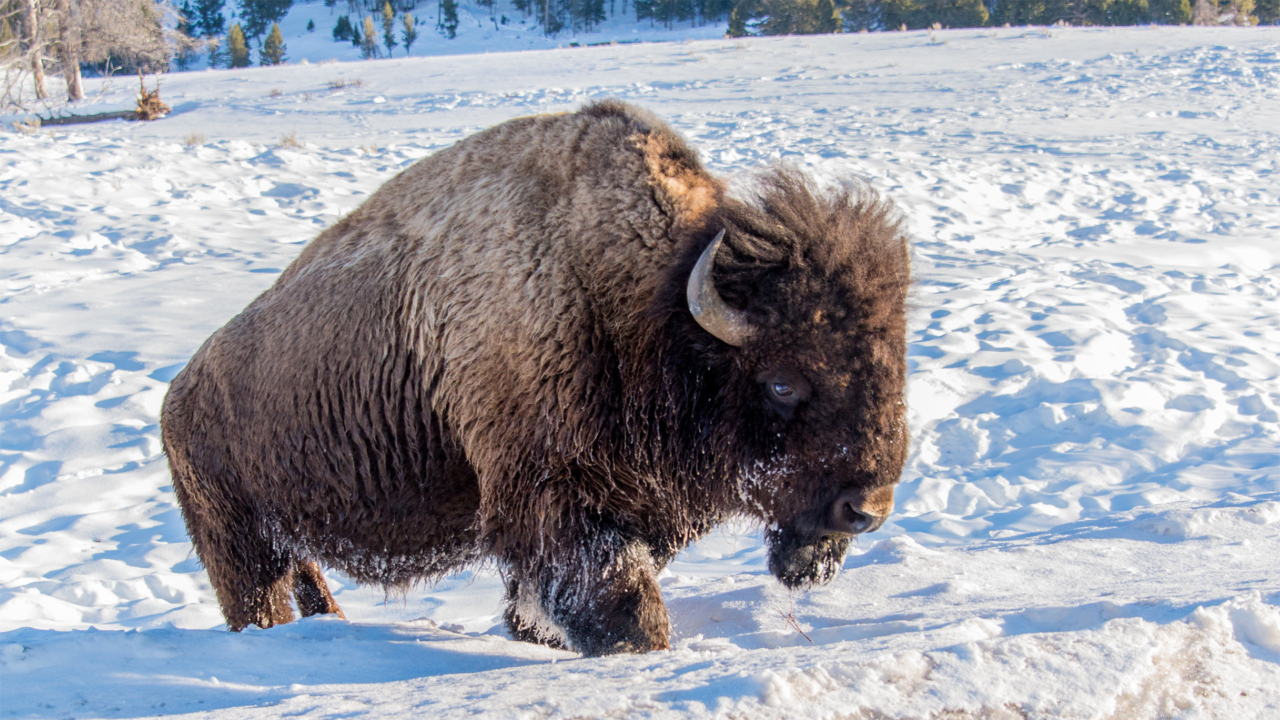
(708,308)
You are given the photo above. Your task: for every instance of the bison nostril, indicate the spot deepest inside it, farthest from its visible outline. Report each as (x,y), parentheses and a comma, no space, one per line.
(853,520)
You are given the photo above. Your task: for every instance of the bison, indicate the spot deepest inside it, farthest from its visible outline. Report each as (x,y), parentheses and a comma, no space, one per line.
(563,346)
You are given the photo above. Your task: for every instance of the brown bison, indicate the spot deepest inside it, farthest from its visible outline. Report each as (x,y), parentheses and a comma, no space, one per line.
(561,345)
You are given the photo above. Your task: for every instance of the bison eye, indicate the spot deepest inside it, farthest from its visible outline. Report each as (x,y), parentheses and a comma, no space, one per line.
(785,388)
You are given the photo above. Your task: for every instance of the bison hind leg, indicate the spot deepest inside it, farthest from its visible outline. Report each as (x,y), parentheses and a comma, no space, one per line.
(264,605)
(267,604)
(254,577)
(311,592)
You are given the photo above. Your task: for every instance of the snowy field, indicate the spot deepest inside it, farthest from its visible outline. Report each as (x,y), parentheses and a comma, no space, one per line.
(1089,523)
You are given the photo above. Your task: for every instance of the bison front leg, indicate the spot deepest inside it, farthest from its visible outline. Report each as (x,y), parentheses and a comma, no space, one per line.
(598,596)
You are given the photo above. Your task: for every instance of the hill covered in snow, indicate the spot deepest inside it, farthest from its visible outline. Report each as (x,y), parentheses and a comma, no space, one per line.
(1089,520)
(307,30)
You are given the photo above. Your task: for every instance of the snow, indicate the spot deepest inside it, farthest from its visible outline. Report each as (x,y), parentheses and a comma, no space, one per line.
(1089,520)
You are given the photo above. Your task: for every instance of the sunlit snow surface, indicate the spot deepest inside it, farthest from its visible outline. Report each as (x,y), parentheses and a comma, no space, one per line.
(1089,524)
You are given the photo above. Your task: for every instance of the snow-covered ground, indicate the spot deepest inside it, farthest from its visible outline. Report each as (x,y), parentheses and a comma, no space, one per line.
(1088,526)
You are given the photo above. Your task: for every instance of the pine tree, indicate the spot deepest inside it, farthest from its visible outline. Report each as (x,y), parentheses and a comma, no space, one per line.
(955,13)
(742,11)
(369,41)
(342,29)
(827,19)
(917,14)
(666,12)
(1171,12)
(257,15)
(274,48)
(410,33)
(389,27)
(799,17)
(898,13)
(449,19)
(356,40)
(237,47)
(1242,13)
(1032,12)
(1124,12)
(185,31)
(863,15)
(784,17)
(208,17)
(1268,12)
(585,14)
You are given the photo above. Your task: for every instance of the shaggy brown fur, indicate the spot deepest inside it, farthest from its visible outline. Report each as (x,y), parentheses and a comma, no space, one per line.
(494,357)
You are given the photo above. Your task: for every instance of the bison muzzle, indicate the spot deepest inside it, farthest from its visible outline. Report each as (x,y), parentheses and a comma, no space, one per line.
(563,346)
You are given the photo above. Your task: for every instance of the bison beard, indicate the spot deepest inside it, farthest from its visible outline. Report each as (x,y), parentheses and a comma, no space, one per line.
(562,346)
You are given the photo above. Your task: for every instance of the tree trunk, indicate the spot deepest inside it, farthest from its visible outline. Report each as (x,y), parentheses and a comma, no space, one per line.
(69,39)
(31,31)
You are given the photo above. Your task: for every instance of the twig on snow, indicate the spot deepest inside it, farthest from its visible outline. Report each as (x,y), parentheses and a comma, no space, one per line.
(790,616)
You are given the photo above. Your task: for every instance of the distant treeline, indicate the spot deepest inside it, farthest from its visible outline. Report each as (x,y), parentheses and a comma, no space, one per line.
(66,37)
(750,17)
(780,17)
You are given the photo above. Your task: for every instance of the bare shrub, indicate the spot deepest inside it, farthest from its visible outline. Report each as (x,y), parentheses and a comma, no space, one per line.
(1205,12)
(150,106)
(291,141)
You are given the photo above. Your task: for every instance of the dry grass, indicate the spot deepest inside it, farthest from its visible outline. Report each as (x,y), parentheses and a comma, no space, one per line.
(193,139)
(339,83)
(371,149)
(275,92)
(307,97)
(27,127)
(291,140)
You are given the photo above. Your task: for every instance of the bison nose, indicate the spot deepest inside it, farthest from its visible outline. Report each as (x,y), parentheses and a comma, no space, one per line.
(850,515)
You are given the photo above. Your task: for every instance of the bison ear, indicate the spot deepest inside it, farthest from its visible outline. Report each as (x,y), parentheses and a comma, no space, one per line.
(708,308)
(684,190)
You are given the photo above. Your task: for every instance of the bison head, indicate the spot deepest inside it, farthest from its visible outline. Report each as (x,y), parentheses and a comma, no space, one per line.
(808,290)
